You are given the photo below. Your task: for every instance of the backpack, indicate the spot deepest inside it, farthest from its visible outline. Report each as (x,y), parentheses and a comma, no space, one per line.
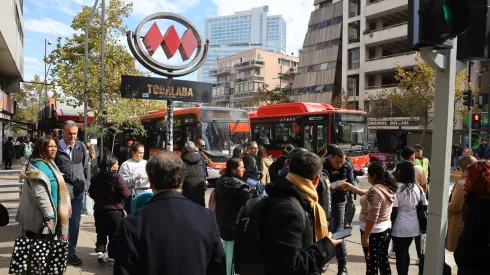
(248,254)
(28,149)
(325,193)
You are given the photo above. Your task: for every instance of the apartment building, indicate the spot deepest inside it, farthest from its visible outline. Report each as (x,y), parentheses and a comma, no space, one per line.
(11,59)
(242,31)
(239,76)
(320,69)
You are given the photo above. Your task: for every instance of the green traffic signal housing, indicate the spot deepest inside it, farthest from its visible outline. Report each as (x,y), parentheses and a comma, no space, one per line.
(432,22)
(467,98)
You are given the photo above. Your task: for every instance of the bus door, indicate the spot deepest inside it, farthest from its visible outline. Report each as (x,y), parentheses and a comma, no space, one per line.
(315,135)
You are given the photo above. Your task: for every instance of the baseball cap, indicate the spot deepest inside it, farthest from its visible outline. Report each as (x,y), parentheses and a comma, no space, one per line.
(130,142)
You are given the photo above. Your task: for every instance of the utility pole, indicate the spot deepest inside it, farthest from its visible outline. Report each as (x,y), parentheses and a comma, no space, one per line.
(85,93)
(470,107)
(441,154)
(102,68)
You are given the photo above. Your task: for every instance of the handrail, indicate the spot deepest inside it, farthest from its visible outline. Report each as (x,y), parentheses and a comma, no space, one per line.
(368,31)
(394,55)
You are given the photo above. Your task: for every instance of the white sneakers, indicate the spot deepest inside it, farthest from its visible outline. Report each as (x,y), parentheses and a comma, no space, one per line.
(102,258)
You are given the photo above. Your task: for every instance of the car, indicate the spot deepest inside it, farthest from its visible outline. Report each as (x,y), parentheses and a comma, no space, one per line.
(388,159)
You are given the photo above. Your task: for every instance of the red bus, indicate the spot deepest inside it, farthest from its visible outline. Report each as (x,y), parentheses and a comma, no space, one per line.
(222,129)
(312,126)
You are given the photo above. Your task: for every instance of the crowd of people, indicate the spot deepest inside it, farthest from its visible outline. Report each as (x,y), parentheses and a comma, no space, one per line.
(267,216)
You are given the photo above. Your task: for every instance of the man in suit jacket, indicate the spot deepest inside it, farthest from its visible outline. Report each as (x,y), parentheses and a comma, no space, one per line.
(170,234)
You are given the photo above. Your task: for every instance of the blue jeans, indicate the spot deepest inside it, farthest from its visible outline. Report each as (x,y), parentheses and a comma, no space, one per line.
(336,223)
(76,215)
(455,161)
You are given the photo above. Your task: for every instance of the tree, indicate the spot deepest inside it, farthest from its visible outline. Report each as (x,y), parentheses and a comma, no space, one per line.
(266,96)
(27,102)
(414,95)
(68,68)
(342,100)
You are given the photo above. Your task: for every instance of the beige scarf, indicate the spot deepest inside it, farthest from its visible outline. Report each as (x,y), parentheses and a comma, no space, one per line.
(308,190)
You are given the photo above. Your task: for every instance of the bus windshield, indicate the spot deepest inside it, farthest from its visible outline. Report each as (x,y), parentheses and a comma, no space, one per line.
(350,130)
(222,137)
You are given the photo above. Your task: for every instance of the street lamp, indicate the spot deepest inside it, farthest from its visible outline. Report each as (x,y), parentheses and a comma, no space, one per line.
(46,43)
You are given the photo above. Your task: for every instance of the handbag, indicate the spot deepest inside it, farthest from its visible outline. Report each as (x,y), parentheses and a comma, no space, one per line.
(422,213)
(39,256)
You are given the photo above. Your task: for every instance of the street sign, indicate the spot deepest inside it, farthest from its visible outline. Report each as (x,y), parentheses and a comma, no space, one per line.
(143,48)
(165,89)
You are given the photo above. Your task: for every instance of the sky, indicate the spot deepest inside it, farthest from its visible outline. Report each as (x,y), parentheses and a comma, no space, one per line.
(50,19)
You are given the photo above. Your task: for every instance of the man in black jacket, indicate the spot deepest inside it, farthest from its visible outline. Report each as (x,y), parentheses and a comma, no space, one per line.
(170,234)
(290,244)
(250,162)
(72,160)
(338,169)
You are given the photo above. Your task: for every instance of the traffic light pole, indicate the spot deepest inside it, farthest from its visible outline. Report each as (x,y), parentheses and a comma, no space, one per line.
(470,118)
(441,155)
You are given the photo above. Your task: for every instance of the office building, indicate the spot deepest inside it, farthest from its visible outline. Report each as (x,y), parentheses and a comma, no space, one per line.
(320,69)
(239,76)
(242,31)
(11,59)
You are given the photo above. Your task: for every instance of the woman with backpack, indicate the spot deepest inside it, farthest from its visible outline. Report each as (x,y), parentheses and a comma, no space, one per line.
(108,190)
(231,194)
(405,221)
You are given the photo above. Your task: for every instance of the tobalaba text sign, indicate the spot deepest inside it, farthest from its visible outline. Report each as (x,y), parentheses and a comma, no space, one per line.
(165,89)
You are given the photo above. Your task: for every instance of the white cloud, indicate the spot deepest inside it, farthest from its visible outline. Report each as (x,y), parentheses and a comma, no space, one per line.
(147,7)
(295,12)
(32,61)
(48,25)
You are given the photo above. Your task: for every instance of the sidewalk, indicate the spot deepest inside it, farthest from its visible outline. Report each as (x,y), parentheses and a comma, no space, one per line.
(86,244)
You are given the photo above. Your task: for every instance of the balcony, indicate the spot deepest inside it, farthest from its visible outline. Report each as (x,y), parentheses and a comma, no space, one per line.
(221,98)
(379,8)
(375,90)
(220,72)
(250,64)
(393,33)
(255,78)
(221,84)
(387,63)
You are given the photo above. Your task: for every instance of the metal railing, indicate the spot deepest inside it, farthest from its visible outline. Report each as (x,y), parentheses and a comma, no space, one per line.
(10,192)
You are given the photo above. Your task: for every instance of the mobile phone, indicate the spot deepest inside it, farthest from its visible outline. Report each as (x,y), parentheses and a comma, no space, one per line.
(342,234)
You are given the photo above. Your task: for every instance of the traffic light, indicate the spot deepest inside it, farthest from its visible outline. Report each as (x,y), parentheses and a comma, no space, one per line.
(432,22)
(467,98)
(473,44)
(476,121)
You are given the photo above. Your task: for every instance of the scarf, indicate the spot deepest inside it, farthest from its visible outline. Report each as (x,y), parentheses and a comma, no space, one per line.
(64,201)
(308,190)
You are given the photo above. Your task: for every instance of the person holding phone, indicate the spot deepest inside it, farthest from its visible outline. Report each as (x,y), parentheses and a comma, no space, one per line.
(375,223)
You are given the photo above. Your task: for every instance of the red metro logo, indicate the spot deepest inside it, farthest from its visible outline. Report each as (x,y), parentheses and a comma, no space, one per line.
(143,47)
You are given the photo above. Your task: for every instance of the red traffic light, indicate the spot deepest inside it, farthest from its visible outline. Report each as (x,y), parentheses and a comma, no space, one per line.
(476,117)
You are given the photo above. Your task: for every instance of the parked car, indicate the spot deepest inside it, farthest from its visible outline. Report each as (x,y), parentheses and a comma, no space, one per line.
(388,159)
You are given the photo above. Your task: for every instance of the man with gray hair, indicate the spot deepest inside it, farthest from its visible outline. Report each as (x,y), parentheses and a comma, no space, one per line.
(72,160)
(170,234)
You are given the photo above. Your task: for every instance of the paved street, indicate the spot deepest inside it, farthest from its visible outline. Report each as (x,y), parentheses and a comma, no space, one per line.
(87,239)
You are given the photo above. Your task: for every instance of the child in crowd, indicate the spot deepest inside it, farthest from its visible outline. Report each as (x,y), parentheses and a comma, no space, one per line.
(108,190)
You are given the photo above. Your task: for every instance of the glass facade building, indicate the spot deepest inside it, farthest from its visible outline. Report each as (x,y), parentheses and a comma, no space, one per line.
(242,31)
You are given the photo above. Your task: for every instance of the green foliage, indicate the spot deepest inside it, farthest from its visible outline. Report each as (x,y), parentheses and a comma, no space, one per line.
(68,67)
(266,96)
(414,95)
(27,101)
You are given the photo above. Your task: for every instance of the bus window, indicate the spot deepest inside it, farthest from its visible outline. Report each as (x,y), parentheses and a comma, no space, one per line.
(263,134)
(350,133)
(321,137)
(287,133)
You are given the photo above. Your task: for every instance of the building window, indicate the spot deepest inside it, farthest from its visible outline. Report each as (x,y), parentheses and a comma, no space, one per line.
(354,32)
(354,59)
(371,81)
(354,8)
(353,85)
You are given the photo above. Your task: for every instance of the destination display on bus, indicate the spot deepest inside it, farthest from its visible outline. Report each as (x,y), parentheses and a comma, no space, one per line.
(217,114)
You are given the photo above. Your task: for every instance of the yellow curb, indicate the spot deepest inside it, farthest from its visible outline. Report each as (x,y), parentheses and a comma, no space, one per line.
(455,176)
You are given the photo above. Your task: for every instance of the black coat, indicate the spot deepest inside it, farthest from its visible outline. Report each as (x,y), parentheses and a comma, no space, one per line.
(231,195)
(473,251)
(194,187)
(251,168)
(169,235)
(75,170)
(8,149)
(343,173)
(290,248)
